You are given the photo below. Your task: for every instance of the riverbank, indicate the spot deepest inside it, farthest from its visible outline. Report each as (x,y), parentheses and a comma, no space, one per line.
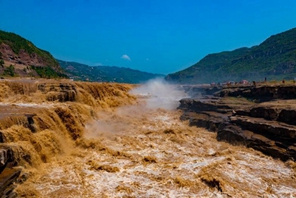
(261,117)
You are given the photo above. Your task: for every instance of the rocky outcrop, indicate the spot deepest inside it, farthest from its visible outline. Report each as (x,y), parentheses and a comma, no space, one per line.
(260,93)
(269,126)
(8,175)
(8,178)
(22,57)
(6,156)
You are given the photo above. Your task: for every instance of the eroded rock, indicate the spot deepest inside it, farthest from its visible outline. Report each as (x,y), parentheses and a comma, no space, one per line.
(6,156)
(268,127)
(7,180)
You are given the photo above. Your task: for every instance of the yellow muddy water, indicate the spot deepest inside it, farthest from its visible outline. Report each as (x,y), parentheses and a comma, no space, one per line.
(140,152)
(136,150)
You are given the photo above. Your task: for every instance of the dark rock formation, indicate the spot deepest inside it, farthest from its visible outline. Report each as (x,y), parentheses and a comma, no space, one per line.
(287,116)
(6,156)
(8,178)
(269,126)
(260,93)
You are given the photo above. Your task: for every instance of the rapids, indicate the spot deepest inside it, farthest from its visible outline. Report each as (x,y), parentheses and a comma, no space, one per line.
(156,155)
(146,151)
(137,149)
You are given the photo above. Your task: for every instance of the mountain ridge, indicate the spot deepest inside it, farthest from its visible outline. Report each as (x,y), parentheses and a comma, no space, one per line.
(274,58)
(79,71)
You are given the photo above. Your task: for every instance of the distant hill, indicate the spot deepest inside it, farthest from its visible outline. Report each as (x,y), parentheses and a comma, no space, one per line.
(20,57)
(83,72)
(275,58)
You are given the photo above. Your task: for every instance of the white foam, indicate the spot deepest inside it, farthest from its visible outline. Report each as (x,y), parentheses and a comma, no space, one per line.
(28,104)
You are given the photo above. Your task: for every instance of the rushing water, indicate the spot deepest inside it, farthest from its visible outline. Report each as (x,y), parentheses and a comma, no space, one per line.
(144,150)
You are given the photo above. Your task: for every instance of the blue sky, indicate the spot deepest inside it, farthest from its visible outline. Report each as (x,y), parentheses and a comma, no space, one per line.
(158,36)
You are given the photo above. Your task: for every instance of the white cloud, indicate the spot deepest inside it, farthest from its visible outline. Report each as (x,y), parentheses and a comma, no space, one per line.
(126,57)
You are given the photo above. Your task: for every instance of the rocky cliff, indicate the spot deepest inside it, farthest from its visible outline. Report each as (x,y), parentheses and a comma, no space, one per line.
(261,117)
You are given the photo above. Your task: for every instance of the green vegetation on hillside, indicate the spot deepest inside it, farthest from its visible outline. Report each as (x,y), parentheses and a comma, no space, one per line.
(275,59)
(83,72)
(25,52)
(9,71)
(18,43)
(48,72)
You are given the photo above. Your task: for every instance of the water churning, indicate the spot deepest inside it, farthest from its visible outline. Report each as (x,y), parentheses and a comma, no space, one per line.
(138,148)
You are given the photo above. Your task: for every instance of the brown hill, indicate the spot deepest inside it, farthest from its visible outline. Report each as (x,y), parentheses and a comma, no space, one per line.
(20,57)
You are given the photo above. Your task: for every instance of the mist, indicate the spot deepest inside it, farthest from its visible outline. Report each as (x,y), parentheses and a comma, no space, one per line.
(160,94)
(154,95)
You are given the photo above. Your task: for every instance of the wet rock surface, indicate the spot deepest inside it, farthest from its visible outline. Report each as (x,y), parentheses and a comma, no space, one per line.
(7,179)
(263,117)
(8,175)
(6,156)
